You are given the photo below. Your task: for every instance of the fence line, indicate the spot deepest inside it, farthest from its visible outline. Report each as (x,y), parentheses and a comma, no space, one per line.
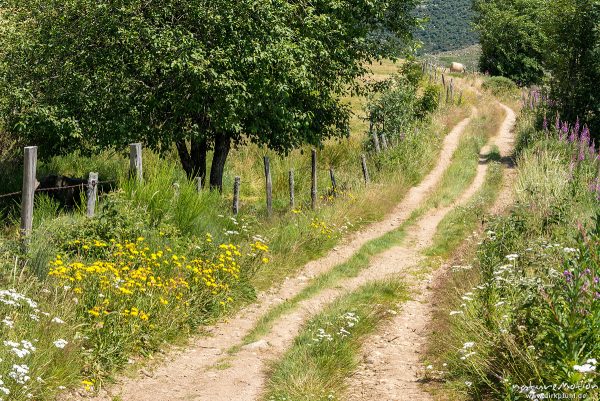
(376,135)
(83,185)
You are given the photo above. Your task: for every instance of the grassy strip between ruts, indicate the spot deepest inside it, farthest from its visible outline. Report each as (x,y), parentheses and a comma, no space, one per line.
(326,350)
(454,181)
(453,229)
(348,269)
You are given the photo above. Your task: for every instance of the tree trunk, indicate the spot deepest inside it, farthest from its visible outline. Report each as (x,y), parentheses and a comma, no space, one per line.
(222,147)
(194,161)
(185,158)
(199,150)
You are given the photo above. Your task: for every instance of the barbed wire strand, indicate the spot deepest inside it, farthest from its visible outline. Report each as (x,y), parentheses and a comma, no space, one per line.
(82,185)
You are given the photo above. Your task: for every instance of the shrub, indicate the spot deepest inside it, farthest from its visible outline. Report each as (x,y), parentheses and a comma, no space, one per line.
(500,86)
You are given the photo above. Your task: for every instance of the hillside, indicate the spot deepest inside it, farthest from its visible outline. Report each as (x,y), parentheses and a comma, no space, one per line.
(449,25)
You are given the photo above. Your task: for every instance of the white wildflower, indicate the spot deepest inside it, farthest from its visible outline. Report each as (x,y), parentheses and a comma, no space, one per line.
(585,368)
(60,343)
(57,320)
(19,374)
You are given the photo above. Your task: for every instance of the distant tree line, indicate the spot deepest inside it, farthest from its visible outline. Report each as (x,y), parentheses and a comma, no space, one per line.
(556,43)
(448,25)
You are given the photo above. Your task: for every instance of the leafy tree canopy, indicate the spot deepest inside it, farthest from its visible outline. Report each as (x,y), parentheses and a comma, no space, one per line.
(573,59)
(89,74)
(512,38)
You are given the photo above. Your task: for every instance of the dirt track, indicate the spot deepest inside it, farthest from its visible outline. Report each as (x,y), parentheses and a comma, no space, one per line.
(391,358)
(389,370)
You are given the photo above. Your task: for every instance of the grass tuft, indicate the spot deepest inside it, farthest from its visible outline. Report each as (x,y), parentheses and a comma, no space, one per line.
(327,349)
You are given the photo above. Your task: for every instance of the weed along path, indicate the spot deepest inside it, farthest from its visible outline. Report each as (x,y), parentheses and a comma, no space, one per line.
(205,372)
(391,363)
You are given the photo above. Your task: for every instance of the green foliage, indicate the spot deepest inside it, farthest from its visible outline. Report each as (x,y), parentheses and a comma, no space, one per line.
(429,100)
(400,105)
(535,41)
(84,75)
(500,86)
(511,37)
(448,26)
(573,59)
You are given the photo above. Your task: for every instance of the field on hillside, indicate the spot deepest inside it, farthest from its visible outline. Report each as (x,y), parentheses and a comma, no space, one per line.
(469,56)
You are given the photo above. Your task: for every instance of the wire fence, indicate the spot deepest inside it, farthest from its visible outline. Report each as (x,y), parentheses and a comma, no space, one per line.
(83,185)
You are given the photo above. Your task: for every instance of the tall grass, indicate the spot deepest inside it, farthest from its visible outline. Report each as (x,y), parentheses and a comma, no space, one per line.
(524,325)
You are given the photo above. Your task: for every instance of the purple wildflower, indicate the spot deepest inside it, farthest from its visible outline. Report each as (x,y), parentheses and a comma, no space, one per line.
(581,155)
(576,127)
(568,276)
(565,130)
(585,136)
(557,122)
(545,124)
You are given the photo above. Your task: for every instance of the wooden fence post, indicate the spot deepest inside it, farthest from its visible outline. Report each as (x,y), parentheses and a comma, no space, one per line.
(28,191)
(444,81)
(236,196)
(92,193)
(269,186)
(291,180)
(333,182)
(384,141)
(374,135)
(313,187)
(363,161)
(198,184)
(135,161)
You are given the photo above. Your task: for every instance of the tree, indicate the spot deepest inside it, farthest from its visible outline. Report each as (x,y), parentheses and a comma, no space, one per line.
(512,38)
(573,59)
(88,74)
